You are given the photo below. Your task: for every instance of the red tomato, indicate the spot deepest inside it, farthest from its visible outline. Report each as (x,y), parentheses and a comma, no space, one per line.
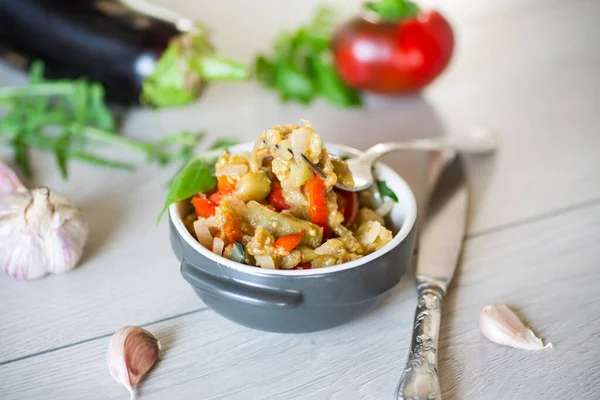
(350,209)
(216,198)
(393,56)
(276,196)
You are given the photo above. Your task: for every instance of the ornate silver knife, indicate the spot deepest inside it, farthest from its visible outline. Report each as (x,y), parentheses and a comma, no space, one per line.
(439,249)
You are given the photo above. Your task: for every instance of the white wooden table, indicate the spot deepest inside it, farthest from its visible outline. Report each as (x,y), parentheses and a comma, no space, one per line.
(529,69)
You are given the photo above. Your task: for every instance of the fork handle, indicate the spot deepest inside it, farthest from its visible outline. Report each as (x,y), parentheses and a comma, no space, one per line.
(420,377)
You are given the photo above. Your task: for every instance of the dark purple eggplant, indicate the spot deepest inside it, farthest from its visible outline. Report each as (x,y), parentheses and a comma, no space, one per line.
(108,42)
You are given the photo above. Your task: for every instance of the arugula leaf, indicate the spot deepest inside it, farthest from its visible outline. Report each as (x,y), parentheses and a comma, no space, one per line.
(197,176)
(393,9)
(223,143)
(302,67)
(386,191)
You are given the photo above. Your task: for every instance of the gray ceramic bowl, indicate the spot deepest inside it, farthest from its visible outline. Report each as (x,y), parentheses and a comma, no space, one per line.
(294,301)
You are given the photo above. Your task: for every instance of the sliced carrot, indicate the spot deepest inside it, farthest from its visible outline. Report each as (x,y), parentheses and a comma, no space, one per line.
(232,227)
(226,185)
(276,196)
(204,207)
(289,242)
(317,202)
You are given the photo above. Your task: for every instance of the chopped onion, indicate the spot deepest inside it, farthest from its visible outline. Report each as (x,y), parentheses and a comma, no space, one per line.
(211,222)
(203,233)
(385,208)
(373,233)
(265,262)
(284,148)
(300,142)
(218,246)
(232,170)
(258,144)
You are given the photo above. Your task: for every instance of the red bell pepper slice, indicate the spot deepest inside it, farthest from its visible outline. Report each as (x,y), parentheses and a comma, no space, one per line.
(317,202)
(289,242)
(204,207)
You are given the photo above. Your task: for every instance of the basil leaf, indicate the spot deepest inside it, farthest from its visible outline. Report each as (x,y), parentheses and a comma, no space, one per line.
(263,70)
(329,83)
(197,176)
(386,191)
(293,83)
(302,65)
(224,143)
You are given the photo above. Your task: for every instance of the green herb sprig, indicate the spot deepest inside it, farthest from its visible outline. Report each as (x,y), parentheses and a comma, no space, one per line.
(385,191)
(66,117)
(393,9)
(198,175)
(302,66)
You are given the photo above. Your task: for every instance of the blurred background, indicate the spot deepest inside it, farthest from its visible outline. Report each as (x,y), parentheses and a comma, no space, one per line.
(528,70)
(509,62)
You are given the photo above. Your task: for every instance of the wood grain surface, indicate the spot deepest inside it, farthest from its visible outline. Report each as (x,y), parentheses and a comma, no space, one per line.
(527,69)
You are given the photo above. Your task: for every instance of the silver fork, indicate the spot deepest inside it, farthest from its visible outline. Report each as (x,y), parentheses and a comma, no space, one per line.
(478,141)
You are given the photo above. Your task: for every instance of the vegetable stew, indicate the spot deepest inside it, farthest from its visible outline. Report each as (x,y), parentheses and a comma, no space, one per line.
(269,209)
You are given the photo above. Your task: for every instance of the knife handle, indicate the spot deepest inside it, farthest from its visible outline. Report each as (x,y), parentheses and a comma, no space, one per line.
(420,377)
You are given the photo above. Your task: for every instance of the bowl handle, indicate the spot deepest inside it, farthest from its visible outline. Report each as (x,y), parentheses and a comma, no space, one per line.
(234,290)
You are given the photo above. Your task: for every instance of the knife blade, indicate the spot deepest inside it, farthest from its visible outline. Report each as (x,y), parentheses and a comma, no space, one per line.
(440,245)
(444,227)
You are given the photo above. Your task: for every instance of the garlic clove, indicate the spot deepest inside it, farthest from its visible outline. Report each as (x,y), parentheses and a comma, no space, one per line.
(501,325)
(9,182)
(132,351)
(40,232)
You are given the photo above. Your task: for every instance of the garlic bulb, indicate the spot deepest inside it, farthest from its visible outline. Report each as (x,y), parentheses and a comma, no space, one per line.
(40,231)
(132,351)
(501,325)
(9,183)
